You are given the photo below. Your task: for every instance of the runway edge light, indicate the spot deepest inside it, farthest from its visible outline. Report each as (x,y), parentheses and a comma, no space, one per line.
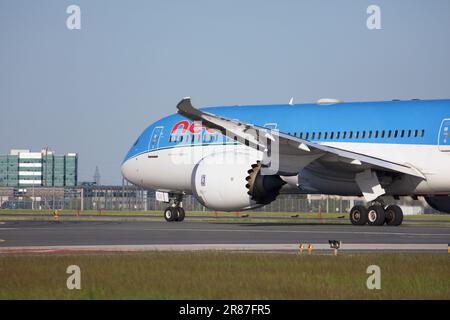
(310,248)
(301,247)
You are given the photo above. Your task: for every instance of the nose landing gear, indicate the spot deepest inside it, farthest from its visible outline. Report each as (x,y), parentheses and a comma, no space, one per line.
(172,214)
(376,215)
(175,213)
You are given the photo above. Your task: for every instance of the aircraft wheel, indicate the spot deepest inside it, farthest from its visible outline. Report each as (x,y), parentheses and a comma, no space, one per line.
(376,215)
(180,214)
(358,215)
(394,215)
(170,214)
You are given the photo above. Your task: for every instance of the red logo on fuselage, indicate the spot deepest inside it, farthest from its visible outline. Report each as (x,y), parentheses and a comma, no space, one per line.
(193,128)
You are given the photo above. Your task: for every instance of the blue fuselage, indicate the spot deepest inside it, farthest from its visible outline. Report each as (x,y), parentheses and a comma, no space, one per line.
(415,122)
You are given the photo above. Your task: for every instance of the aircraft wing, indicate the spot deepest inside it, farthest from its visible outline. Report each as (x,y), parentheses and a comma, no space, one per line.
(294,153)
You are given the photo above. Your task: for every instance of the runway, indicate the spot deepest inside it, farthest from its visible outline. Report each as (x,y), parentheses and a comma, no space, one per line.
(47,236)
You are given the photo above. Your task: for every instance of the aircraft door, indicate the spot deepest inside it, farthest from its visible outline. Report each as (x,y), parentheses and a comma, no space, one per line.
(444,136)
(155,137)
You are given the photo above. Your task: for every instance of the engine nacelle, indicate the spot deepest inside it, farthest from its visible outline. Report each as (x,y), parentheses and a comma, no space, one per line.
(439,203)
(221,183)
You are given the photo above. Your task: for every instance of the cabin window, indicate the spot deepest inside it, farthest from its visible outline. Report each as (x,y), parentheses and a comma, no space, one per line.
(344,135)
(370,134)
(363,134)
(301,135)
(416,133)
(382,134)
(306,136)
(356,134)
(402,134)
(319,135)
(422,134)
(350,134)
(338,134)
(313,135)
(325,135)
(395,133)
(295,134)
(389,133)
(409,133)
(331,135)
(376,134)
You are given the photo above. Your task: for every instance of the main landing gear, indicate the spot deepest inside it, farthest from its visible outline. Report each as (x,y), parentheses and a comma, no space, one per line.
(175,213)
(376,215)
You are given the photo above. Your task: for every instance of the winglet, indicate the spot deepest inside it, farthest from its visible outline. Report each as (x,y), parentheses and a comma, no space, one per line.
(186,109)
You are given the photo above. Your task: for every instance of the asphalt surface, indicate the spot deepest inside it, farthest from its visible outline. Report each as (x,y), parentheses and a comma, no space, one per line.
(23,233)
(343,218)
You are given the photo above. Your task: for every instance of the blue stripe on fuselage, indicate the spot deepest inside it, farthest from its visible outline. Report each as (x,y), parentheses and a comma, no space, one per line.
(419,115)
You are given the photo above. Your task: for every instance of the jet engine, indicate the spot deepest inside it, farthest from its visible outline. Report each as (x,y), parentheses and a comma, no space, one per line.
(440,203)
(233,185)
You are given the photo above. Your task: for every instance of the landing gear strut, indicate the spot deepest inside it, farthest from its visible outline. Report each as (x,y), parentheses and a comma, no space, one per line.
(376,215)
(175,212)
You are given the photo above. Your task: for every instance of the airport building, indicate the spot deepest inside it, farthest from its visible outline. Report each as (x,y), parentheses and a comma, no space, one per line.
(23,168)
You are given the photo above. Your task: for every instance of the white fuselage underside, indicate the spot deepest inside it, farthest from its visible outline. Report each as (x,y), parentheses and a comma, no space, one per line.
(171,169)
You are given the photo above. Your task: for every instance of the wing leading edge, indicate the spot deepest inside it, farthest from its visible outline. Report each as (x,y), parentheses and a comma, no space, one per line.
(290,148)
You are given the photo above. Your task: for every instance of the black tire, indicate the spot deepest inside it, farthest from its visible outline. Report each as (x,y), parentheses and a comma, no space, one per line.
(170,214)
(180,214)
(358,215)
(376,215)
(394,215)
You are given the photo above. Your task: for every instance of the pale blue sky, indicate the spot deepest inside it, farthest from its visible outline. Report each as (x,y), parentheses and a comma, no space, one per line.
(93,90)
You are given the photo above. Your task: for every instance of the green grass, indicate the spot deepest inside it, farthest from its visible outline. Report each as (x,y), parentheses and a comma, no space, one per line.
(65,215)
(220,275)
(285,217)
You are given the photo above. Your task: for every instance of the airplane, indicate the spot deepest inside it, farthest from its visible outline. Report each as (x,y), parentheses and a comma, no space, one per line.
(236,158)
